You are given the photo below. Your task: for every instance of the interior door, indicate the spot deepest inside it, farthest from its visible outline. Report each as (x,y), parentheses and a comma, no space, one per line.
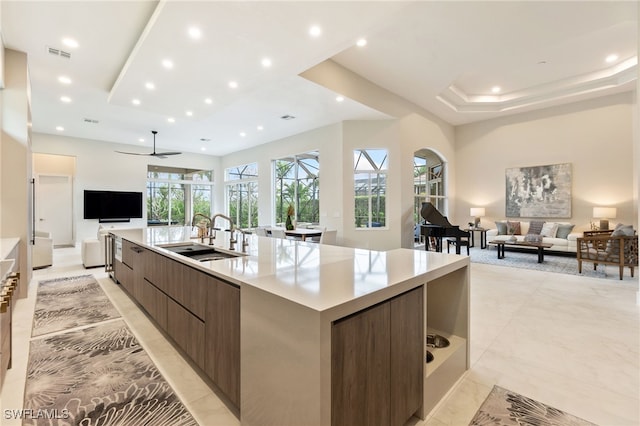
(54,207)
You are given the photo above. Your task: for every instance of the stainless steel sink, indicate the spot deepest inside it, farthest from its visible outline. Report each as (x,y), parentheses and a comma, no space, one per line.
(199,252)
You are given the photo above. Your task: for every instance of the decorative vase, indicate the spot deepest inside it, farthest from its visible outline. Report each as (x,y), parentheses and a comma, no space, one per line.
(289,224)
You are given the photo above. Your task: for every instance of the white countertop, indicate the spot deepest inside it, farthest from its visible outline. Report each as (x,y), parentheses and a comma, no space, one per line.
(319,277)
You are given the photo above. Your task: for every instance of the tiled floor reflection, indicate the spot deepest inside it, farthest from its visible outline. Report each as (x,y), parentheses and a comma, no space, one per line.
(568,341)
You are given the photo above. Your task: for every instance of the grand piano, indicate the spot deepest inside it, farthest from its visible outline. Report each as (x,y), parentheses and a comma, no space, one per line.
(438,227)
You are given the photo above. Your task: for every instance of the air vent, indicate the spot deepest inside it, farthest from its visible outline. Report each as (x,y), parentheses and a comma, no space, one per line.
(91,120)
(58,52)
(205,140)
(287,117)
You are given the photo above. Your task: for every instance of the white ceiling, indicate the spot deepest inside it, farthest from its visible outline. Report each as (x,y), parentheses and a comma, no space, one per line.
(443,56)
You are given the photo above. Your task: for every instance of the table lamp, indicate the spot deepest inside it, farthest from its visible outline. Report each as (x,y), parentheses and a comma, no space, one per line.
(476,213)
(604,214)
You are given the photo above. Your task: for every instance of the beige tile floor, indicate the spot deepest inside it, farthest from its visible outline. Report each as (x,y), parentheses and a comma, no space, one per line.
(568,341)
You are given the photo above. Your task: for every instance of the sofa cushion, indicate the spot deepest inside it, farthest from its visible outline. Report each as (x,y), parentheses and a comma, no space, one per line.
(535,226)
(549,229)
(502,228)
(513,228)
(564,230)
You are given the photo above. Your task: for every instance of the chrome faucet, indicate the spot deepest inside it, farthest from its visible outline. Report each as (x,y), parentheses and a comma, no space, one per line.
(200,228)
(212,228)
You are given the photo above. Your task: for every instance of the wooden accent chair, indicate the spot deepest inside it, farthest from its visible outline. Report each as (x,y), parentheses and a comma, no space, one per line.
(600,247)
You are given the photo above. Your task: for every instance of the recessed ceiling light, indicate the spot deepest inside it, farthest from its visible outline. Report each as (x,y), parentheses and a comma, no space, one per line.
(266,62)
(69,42)
(362,42)
(60,128)
(496,89)
(208,101)
(203,149)
(65,99)
(340,98)
(260,128)
(195,33)
(243,134)
(233,84)
(189,113)
(611,58)
(141,140)
(135,101)
(149,85)
(64,79)
(315,31)
(167,63)
(171,120)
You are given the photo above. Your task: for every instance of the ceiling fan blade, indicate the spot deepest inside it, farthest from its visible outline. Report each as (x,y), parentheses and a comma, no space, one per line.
(132,153)
(154,153)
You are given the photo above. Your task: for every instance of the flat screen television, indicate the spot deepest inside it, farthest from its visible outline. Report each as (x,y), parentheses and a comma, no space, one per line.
(112,205)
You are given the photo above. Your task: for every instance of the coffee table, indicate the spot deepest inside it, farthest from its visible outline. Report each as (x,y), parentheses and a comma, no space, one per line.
(540,246)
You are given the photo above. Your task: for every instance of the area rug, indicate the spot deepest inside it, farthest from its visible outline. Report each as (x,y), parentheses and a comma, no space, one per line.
(504,407)
(70,302)
(559,263)
(98,375)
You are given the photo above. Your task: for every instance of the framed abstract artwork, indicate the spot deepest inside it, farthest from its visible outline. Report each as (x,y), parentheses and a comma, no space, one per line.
(539,191)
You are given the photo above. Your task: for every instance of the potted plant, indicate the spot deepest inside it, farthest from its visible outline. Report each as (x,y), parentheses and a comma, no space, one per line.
(290,213)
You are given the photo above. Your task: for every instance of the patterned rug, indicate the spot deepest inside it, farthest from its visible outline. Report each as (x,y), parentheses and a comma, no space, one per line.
(560,263)
(98,376)
(504,407)
(70,302)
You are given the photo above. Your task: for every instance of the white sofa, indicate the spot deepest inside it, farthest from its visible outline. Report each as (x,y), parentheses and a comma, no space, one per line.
(568,244)
(42,252)
(92,249)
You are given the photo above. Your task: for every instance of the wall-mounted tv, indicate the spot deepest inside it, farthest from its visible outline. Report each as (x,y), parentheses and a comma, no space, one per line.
(112,206)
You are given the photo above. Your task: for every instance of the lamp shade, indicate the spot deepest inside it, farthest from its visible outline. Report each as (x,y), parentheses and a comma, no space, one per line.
(476,211)
(604,212)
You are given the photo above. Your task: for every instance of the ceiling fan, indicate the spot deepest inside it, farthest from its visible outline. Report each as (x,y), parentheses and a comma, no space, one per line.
(154,153)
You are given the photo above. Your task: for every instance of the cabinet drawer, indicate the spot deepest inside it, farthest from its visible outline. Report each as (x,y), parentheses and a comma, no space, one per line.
(155,303)
(187,331)
(222,362)
(124,275)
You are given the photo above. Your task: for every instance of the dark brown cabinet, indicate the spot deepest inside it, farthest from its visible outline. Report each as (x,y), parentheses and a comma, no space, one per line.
(377,363)
(198,311)
(154,302)
(222,326)
(187,331)
(133,257)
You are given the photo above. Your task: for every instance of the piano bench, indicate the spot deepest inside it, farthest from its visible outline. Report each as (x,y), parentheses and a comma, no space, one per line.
(463,242)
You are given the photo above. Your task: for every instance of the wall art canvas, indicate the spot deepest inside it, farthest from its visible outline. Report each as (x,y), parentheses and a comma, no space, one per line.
(539,191)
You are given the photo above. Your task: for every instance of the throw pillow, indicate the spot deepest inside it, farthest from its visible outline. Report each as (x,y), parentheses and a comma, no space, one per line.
(564,230)
(621,229)
(535,226)
(613,245)
(502,228)
(549,229)
(533,238)
(513,228)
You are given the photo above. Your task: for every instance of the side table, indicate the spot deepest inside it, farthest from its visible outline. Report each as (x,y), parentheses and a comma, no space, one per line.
(483,236)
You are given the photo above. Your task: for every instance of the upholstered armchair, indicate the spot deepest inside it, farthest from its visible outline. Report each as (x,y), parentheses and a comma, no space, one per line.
(92,249)
(42,252)
(612,248)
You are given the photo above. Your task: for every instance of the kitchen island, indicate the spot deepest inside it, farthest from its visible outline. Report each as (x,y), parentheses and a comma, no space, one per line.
(301,333)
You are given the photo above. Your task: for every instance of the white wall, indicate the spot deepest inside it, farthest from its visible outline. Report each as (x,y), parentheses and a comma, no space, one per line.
(15,145)
(98,166)
(595,136)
